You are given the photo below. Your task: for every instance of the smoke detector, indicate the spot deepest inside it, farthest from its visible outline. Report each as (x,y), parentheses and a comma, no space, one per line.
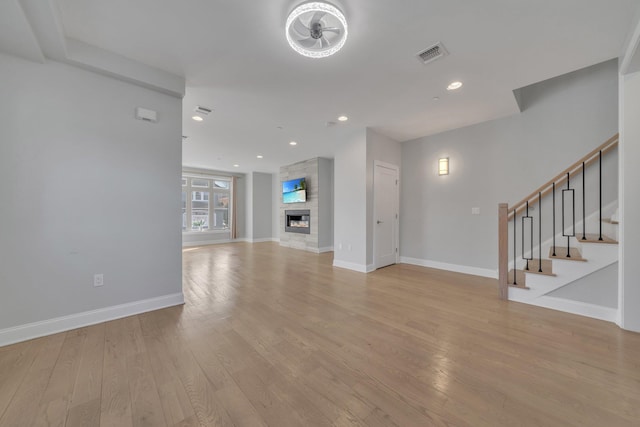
(432,53)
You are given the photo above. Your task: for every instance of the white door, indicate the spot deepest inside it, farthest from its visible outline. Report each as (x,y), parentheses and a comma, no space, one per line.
(385,214)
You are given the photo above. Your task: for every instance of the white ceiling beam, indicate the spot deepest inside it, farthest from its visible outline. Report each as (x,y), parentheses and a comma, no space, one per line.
(631,52)
(16,33)
(49,34)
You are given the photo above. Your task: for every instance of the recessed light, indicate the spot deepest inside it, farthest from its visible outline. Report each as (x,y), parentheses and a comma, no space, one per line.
(197,118)
(436,98)
(454,85)
(293,143)
(236,166)
(259,156)
(343,118)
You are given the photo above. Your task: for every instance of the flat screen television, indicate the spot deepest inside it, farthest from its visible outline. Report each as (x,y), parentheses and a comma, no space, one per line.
(294,191)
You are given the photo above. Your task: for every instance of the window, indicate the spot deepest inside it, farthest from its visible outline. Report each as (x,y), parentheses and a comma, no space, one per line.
(209,207)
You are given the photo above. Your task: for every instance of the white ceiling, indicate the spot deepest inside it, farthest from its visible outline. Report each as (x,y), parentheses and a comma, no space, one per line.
(236,60)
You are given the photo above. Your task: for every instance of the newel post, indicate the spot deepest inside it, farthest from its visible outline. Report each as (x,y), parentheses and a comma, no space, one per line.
(503,255)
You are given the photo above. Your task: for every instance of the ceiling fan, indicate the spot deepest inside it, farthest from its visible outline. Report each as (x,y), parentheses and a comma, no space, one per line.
(316,29)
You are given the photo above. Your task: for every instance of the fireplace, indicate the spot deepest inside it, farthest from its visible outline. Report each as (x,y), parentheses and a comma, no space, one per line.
(297,221)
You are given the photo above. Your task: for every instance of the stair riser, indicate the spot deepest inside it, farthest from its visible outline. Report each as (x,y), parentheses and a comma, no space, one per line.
(603,252)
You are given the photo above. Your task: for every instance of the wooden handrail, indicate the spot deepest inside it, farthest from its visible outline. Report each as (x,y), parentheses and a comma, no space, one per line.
(572,170)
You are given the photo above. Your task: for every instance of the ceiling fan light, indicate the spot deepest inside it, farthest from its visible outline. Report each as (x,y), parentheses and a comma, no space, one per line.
(316,7)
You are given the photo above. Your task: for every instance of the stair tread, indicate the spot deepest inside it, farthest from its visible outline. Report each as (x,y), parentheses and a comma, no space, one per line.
(593,238)
(561,253)
(533,270)
(547,269)
(610,221)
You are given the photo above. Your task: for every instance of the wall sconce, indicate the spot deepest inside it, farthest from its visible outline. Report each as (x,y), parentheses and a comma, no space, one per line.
(443,166)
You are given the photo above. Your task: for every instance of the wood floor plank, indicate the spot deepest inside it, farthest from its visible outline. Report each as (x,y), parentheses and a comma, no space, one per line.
(25,403)
(54,403)
(272,336)
(115,408)
(15,361)
(174,400)
(86,414)
(84,408)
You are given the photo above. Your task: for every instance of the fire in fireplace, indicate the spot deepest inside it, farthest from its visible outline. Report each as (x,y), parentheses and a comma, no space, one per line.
(297,221)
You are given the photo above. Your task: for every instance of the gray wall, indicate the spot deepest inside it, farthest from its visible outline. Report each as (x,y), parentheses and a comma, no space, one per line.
(599,288)
(385,149)
(262,205)
(248,207)
(350,198)
(325,204)
(85,189)
(500,161)
(276,192)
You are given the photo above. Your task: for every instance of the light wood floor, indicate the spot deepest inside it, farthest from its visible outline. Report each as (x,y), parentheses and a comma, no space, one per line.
(274,336)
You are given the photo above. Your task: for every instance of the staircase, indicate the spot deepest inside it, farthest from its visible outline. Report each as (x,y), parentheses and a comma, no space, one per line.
(548,241)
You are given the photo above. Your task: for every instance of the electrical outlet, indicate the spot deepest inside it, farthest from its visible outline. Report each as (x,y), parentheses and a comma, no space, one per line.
(475,211)
(340,246)
(98,279)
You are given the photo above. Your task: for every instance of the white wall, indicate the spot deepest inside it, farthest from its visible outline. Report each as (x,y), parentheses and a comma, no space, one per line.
(630,206)
(379,148)
(500,161)
(350,210)
(598,288)
(85,189)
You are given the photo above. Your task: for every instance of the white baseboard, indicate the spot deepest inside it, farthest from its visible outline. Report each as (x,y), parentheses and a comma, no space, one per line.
(476,271)
(205,243)
(65,323)
(313,250)
(362,268)
(239,239)
(266,239)
(576,307)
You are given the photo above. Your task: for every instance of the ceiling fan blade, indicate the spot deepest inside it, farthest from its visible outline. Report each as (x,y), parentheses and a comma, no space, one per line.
(300,28)
(324,42)
(332,30)
(308,42)
(317,17)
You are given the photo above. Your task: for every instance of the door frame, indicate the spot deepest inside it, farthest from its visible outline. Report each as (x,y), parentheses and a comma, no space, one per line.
(396,168)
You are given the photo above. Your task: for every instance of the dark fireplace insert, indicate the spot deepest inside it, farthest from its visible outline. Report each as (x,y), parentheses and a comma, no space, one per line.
(297,221)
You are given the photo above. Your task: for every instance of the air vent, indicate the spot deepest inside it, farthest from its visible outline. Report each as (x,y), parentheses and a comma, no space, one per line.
(203,110)
(432,53)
